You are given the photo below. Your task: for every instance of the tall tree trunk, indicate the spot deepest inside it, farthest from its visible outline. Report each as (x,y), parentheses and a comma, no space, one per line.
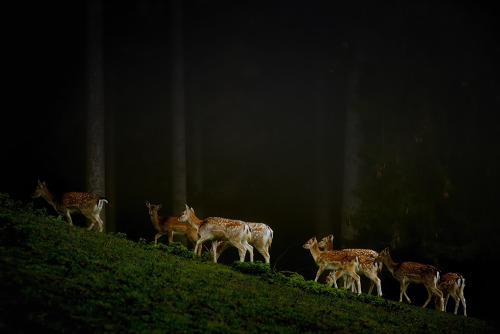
(95,102)
(179,196)
(352,163)
(323,225)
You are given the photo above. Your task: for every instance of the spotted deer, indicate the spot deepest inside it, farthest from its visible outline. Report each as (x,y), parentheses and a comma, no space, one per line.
(413,272)
(453,284)
(367,265)
(170,225)
(89,205)
(333,260)
(216,229)
(262,238)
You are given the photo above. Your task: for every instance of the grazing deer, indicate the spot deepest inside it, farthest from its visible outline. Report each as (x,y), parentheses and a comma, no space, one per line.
(453,284)
(170,225)
(367,265)
(262,238)
(89,205)
(412,272)
(333,260)
(216,229)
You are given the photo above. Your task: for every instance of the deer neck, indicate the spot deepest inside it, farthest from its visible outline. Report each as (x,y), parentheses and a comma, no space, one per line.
(315,251)
(194,221)
(155,219)
(51,199)
(391,265)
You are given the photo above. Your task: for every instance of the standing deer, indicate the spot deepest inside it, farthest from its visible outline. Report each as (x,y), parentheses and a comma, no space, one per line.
(367,265)
(453,284)
(170,225)
(262,238)
(216,229)
(412,272)
(333,260)
(89,205)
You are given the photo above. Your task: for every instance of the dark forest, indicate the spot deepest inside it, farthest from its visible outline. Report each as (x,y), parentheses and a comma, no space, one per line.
(376,122)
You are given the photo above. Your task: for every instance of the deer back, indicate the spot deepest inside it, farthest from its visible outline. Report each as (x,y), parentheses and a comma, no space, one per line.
(224,229)
(451,283)
(366,257)
(336,256)
(80,200)
(262,234)
(417,273)
(172,223)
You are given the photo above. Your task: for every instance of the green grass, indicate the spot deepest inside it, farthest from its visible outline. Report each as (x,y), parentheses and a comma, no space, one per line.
(62,278)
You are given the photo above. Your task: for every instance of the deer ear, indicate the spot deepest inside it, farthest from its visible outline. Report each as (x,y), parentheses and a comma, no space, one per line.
(159,206)
(147,204)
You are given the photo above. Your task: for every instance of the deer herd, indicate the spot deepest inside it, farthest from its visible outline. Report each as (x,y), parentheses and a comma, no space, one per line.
(223,233)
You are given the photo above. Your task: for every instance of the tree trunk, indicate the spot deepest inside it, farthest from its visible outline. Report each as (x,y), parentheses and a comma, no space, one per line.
(95,102)
(352,163)
(179,196)
(323,225)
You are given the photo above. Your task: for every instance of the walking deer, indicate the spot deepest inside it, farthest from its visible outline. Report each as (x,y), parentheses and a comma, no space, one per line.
(170,225)
(412,272)
(367,264)
(216,229)
(333,260)
(453,284)
(89,205)
(262,238)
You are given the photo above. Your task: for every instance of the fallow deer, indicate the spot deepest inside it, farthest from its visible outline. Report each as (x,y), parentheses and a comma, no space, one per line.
(216,229)
(333,260)
(262,238)
(170,225)
(367,265)
(413,272)
(89,205)
(453,284)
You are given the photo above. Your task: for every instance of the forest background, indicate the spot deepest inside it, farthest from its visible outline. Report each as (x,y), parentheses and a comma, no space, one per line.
(375,122)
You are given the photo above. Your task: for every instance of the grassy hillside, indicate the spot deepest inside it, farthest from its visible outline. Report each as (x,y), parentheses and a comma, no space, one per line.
(62,278)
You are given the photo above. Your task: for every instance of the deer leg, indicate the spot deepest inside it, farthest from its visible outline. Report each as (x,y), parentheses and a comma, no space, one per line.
(435,291)
(370,289)
(100,222)
(68,217)
(379,287)
(403,286)
(199,244)
(462,298)
(93,221)
(170,237)
(265,254)
(347,281)
(457,303)
(249,249)
(375,281)
(358,281)
(214,249)
(428,298)
(320,270)
(242,251)
(338,274)
(446,301)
